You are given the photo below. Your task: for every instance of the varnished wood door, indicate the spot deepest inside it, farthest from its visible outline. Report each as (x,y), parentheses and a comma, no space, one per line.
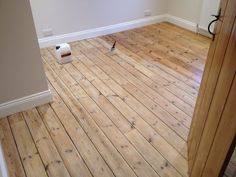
(214,98)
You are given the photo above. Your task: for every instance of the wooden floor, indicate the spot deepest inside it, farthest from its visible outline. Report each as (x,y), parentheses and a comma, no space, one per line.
(124,113)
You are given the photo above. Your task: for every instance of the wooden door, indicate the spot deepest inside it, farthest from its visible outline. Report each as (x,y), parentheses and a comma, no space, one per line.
(214,98)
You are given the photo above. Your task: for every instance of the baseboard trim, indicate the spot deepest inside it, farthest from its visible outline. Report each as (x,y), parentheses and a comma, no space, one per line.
(181,22)
(25,103)
(76,36)
(70,37)
(204,31)
(3,166)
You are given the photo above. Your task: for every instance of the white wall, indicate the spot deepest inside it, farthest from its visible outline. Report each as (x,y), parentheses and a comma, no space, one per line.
(196,11)
(209,7)
(21,70)
(186,9)
(65,17)
(77,15)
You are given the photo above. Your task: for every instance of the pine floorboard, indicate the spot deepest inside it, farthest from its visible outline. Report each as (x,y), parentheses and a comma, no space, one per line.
(118,113)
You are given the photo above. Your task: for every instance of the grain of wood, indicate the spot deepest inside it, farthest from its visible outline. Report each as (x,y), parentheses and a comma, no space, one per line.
(132,116)
(79,137)
(52,160)
(29,154)
(102,143)
(68,152)
(137,163)
(168,95)
(135,92)
(10,150)
(144,112)
(121,113)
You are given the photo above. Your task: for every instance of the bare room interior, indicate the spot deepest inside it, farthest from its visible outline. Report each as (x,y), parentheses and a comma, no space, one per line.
(140,88)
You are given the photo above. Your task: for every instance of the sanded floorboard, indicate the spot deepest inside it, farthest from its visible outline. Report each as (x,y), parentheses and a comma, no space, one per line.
(118,113)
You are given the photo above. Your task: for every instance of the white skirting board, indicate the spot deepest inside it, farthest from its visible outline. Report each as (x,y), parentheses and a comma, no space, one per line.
(204,31)
(181,22)
(90,33)
(25,103)
(3,166)
(70,37)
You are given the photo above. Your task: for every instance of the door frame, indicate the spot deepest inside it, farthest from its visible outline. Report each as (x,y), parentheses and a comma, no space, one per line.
(202,133)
